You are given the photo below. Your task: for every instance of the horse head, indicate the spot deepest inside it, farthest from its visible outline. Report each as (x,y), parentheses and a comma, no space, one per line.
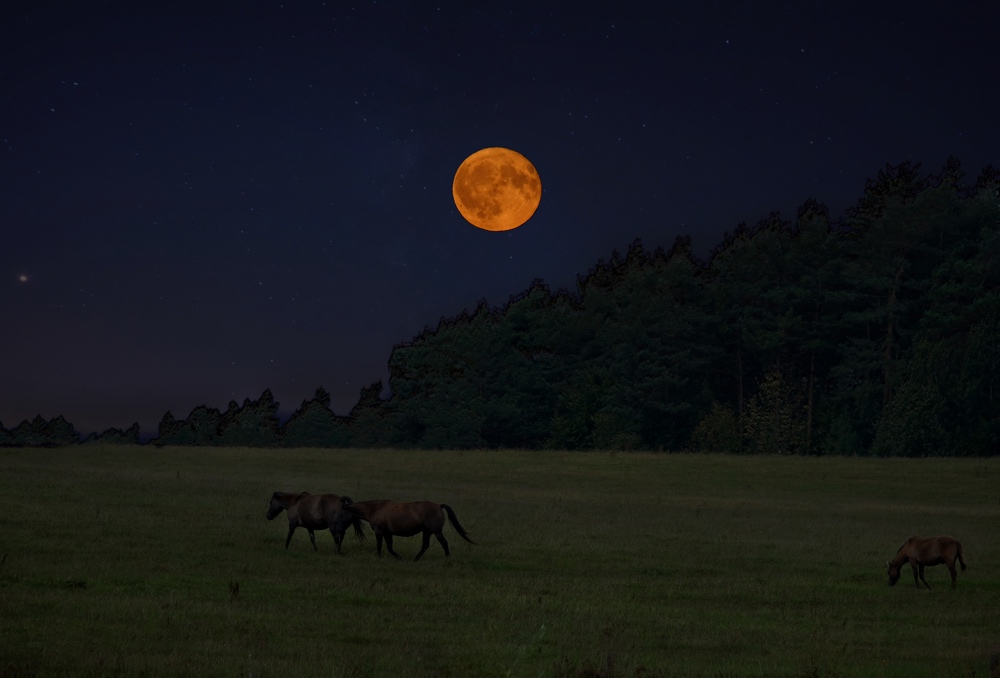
(345,517)
(274,507)
(893,573)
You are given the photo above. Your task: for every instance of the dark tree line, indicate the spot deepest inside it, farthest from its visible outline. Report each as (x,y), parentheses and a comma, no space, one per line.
(876,334)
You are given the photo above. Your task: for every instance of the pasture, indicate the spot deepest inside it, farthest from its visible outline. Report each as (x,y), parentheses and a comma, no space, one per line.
(143,561)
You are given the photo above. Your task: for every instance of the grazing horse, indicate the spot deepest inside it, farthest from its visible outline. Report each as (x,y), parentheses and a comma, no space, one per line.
(403,519)
(926,551)
(314,512)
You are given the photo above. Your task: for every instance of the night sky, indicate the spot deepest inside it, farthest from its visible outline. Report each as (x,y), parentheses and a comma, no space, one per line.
(204,200)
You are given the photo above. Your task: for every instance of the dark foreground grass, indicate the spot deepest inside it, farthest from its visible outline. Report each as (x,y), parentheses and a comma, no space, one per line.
(143,561)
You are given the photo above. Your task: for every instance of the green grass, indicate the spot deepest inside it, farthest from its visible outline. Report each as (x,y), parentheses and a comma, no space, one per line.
(126,561)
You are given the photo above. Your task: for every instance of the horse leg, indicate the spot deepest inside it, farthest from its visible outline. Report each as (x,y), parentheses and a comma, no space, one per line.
(444,542)
(427,542)
(312,538)
(378,544)
(291,529)
(388,547)
(337,539)
(922,578)
(954,575)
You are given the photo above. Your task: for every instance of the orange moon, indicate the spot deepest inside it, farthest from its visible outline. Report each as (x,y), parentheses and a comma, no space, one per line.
(497,189)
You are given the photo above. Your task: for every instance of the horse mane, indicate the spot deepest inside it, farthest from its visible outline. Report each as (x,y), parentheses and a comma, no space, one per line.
(287,498)
(900,558)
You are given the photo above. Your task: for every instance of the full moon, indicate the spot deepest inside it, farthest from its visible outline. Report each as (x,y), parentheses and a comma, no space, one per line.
(497,189)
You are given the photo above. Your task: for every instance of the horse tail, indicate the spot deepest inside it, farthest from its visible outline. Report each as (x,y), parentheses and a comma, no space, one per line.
(961,560)
(454,523)
(358,529)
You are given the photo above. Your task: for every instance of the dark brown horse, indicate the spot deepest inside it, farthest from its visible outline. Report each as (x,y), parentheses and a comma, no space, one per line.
(314,512)
(926,551)
(403,519)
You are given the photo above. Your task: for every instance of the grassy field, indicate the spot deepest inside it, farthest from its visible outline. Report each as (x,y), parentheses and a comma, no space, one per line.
(143,561)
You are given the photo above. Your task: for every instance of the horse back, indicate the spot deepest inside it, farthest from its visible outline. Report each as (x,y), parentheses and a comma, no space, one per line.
(315,511)
(405,518)
(932,550)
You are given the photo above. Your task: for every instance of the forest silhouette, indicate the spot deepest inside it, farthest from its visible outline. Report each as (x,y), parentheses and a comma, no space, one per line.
(877,334)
